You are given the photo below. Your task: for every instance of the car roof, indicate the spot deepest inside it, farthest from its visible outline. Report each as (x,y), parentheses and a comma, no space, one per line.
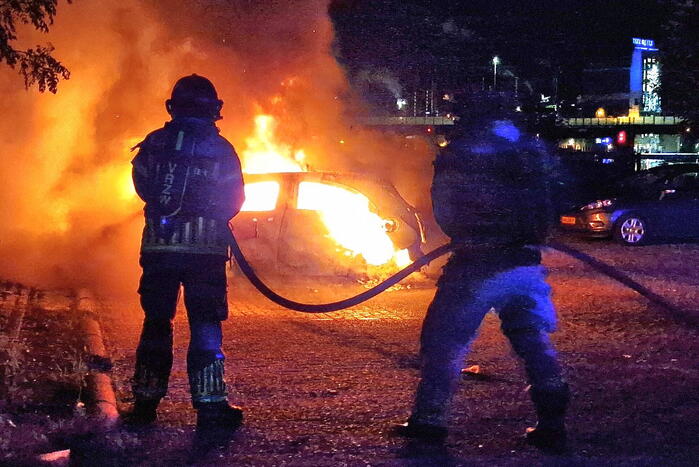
(671,168)
(660,171)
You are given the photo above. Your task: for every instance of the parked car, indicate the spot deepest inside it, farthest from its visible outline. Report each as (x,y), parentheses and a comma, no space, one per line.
(661,203)
(284,224)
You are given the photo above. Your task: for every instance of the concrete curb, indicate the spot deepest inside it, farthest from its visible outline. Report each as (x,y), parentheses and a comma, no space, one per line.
(102,400)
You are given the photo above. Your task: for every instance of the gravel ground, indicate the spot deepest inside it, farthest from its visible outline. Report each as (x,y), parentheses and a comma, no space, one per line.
(325,389)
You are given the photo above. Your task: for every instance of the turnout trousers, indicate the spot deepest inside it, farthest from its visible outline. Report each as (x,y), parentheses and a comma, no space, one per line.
(203,278)
(466,292)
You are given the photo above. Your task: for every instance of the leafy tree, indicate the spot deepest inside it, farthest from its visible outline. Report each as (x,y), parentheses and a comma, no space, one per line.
(680,59)
(37,65)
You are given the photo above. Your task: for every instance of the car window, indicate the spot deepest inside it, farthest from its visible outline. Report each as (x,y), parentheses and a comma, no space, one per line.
(685,182)
(316,196)
(261,196)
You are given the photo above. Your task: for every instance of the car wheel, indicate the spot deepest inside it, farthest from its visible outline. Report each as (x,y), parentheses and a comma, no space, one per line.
(631,230)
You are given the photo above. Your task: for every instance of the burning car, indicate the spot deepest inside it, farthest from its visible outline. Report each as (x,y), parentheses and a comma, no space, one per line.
(326,223)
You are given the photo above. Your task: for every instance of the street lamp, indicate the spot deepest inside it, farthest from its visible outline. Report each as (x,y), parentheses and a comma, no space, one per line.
(496,60)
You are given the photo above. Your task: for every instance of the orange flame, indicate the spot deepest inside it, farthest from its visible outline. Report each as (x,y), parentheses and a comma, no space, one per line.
(264,155)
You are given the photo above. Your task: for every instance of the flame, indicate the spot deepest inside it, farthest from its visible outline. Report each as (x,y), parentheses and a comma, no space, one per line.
(348,219)
(260,196)
(264,155)
(346,214)
(402,258)
(127,190)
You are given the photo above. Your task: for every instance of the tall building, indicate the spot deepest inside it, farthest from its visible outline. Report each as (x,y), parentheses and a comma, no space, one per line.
(644,82)
(620,108)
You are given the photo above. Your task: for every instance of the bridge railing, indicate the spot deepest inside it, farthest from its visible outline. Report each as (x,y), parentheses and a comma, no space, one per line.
(408,121)
(617,121)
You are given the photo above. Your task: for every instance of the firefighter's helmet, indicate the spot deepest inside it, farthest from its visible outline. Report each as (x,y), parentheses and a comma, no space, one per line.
(194,96)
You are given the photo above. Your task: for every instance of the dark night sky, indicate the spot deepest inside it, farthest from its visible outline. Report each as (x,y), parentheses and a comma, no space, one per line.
(448,40)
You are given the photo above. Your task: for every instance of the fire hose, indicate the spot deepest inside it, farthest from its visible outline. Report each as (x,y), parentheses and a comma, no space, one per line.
(596,264)
(252,276)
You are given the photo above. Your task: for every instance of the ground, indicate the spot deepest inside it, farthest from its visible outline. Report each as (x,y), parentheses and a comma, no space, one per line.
(42,373)
(326,389)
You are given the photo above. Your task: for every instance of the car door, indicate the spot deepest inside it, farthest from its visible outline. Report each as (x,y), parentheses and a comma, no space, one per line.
(257,226)
(306,247)
(678,207)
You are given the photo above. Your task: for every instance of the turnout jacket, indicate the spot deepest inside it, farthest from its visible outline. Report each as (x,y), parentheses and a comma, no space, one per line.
(491,188)
(190,179)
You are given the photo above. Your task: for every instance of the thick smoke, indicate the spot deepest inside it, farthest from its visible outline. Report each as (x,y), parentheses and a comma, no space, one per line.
(69,214)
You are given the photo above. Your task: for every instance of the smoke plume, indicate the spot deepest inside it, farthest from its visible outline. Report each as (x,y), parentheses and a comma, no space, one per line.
(70,216)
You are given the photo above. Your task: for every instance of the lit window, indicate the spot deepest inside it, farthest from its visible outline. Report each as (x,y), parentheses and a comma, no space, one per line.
(261,196)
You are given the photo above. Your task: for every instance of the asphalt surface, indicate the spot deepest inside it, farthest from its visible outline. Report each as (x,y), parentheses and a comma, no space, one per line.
(326,389)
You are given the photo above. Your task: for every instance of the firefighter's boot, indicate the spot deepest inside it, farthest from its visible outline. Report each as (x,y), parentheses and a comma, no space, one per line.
(433,434)
(219,416)
(209,396)
(549,434)
(144,412)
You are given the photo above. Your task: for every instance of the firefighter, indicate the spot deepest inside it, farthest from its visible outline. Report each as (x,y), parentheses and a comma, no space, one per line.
(190,179)
(490,194)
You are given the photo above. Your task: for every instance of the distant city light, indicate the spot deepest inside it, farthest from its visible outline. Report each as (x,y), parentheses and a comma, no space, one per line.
(600,113)
(496,61)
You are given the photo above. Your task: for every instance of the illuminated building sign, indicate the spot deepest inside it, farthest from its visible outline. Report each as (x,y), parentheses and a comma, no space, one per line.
(650,43)
(644,44)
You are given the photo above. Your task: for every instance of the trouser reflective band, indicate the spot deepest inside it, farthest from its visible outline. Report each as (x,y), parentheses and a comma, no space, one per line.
(208,385)
(149,384)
